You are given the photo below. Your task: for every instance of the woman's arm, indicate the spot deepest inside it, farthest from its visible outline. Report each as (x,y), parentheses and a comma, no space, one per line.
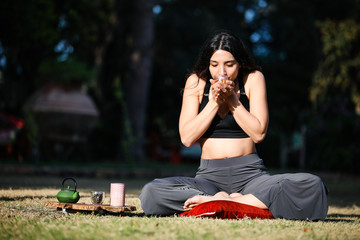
(255,121)
(192,124)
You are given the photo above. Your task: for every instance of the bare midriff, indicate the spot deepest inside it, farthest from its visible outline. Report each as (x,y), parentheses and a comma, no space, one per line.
(220,148)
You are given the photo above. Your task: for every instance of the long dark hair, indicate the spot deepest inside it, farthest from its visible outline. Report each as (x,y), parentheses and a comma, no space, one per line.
(224,40)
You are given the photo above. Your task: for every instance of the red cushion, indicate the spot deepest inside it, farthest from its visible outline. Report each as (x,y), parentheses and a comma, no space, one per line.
(227,210)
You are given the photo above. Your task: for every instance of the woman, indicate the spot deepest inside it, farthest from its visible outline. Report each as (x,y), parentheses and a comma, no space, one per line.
(228,117)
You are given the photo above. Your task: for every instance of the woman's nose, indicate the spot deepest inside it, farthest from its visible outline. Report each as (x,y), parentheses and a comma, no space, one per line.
(222,70)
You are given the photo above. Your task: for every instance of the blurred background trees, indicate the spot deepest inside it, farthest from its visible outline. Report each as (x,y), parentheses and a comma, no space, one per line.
(137,54)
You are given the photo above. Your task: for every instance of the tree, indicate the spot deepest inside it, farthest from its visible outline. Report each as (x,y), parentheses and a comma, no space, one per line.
(114,37)
(339,72)
(28,34)
(36,31)
(137,80)
(292,56)
(336,98)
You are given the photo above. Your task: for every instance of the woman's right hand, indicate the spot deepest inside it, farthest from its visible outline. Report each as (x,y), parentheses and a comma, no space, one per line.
(220,91)
(214,93)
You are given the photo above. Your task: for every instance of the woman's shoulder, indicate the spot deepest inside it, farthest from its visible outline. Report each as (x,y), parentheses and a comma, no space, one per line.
(194,83)
(253,82)
(254,78)
(257,75)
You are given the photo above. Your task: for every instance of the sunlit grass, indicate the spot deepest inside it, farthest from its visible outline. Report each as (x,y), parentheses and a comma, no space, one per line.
(24,216)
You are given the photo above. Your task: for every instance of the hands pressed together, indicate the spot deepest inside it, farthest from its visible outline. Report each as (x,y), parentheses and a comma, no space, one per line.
(220,91)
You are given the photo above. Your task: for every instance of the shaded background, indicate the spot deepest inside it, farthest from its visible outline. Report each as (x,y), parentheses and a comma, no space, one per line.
(100,81)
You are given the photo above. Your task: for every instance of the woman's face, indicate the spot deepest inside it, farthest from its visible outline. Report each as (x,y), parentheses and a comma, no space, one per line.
(223,63)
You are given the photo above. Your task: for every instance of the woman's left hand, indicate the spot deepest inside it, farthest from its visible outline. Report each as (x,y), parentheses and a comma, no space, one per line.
(222,90)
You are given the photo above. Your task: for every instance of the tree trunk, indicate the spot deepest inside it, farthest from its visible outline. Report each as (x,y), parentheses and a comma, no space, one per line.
(137,81)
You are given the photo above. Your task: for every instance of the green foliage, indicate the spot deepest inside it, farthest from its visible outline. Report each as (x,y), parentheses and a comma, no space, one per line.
(313,60)
(339,72)
(28,33)
(335,95)
(28,26)
(70,72)
(309,51)
(85,25)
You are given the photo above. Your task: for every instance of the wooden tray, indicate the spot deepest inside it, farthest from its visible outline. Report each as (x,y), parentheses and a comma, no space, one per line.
(80,207)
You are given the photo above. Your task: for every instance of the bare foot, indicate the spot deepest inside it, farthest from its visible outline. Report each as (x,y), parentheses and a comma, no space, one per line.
(248,199)
(196,200)
(233,195)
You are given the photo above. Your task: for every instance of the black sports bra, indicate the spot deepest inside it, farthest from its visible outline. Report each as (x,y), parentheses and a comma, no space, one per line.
(226,127)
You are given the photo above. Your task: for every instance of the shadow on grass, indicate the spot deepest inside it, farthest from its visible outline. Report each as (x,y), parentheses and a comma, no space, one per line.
(11,199)
(102,213)
(336,215)
(335,218)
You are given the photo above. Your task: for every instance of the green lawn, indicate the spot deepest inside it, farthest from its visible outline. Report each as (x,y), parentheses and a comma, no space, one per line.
(24,216)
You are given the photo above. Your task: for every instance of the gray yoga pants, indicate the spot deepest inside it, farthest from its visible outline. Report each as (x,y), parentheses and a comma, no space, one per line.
(290,196)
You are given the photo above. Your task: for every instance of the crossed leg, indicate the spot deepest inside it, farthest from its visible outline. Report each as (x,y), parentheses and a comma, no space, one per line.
(248,199)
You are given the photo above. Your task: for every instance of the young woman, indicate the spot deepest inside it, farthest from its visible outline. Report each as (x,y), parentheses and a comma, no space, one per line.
(225,109)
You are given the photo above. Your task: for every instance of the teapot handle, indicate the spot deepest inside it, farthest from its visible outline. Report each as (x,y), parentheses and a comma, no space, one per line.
(70,179)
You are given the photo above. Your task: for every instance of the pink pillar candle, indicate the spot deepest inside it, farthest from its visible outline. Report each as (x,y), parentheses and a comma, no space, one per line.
(117,194)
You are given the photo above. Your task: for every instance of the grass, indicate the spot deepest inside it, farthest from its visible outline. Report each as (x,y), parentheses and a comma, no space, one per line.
(24,216)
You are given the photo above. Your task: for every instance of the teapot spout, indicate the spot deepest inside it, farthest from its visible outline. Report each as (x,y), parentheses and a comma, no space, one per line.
(76,196)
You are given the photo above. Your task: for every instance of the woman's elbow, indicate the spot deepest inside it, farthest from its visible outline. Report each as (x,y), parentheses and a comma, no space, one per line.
(258,138)
(186,139)
(186,142)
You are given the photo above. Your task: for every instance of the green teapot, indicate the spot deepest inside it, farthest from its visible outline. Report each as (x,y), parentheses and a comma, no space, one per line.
(68,195)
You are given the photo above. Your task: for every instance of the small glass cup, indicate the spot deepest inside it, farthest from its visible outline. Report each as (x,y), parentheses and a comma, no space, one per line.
(97,197)
(223,78)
